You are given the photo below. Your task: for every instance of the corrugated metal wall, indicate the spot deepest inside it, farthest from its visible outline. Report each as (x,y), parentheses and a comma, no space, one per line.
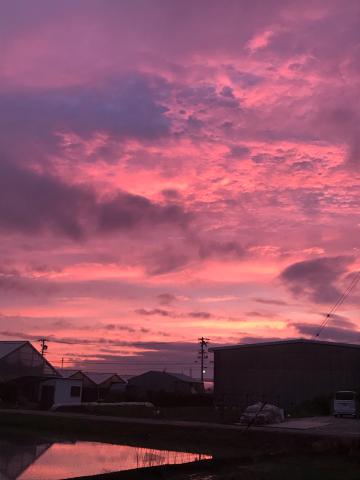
(284,374)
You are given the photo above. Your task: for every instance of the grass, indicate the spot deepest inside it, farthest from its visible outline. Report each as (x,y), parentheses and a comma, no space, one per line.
(309,467)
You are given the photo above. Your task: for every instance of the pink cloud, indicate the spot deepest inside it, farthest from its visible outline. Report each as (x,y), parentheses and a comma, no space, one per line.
(164,156)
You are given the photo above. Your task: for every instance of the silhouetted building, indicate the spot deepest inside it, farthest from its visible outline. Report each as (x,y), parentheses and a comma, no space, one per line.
(96,385)
(21,359)
(286,373)
(26,377)
(60,391)
(22,369)
(154,382)
(15,459)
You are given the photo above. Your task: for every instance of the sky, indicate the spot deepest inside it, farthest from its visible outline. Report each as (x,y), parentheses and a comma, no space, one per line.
(177,169)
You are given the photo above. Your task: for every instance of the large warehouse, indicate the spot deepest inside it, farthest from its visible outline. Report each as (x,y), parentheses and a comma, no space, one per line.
(286,373)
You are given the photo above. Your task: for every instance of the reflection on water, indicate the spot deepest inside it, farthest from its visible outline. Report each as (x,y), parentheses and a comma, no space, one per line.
(53,461)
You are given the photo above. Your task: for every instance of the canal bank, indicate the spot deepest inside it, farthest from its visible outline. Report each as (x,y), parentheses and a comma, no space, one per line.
(320,435)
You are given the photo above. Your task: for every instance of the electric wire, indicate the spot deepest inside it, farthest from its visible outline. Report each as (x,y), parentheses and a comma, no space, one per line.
(339,302)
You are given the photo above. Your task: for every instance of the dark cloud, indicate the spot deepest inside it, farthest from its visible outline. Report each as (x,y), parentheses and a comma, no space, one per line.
(166,260)
(167,313)
(317,278)
(249,339)
(189,249)
(171,194)
(260,314)
(62,324)
(166,298)
(220,249)
(154,311)
(207,96)
(100,341)
(124,106)
(269,301)
(173,356)
(330,333)
(202,315)
(127,328)
(13,283)
(121,328)
(340,321)
(245,79)
(127,210)
(239,152)
(31,202)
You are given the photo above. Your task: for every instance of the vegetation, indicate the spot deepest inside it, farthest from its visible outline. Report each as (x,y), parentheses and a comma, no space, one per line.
(300,467)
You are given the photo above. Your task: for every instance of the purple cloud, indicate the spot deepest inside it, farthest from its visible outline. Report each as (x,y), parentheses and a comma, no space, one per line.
(32,202)
(317,278)
(128,210)
(330,332)
(166,298)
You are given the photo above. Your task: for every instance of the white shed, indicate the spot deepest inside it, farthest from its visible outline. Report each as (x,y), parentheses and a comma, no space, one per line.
(60,391)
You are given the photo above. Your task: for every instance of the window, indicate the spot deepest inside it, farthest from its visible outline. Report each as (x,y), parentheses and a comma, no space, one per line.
(75,391)
(345,395)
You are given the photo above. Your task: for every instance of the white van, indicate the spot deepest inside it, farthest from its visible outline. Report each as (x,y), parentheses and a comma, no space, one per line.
(345,403)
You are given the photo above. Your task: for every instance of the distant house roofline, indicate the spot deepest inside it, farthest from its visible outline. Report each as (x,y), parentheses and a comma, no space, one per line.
(184,378)
(96,378)
(284,342)
(67,372)
(101,377)
(178,376)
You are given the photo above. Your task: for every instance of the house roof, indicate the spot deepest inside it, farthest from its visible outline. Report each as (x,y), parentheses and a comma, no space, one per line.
(7,347)
(68,373)
(98,377)
(178,376)
(184,378)
(284,342)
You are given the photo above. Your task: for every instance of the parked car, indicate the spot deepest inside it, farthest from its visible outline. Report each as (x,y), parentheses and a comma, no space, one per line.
(345,403)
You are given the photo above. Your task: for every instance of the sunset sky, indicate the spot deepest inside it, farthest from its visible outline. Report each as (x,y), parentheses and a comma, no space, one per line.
(177,168)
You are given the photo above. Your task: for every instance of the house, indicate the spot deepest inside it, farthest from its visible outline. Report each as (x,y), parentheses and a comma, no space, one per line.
(17,457)
(26,377)
(22,369)
(286,373)
(21,359)
(60,391)
(154,382)
(96,385)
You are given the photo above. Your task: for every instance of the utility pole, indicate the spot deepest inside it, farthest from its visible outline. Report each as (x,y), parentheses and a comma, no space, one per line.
(203,354)
(44,347)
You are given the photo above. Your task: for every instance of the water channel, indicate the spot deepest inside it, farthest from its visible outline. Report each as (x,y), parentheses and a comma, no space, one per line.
(39,459)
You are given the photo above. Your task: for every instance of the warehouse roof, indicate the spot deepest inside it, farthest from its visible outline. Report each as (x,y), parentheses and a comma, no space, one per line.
(284,342)
(8,346)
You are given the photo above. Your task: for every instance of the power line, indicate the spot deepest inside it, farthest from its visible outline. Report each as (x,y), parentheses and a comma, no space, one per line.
(95,362)
(203,355)
(339,302)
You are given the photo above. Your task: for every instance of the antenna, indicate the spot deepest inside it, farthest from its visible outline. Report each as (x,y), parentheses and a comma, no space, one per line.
(44,347)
